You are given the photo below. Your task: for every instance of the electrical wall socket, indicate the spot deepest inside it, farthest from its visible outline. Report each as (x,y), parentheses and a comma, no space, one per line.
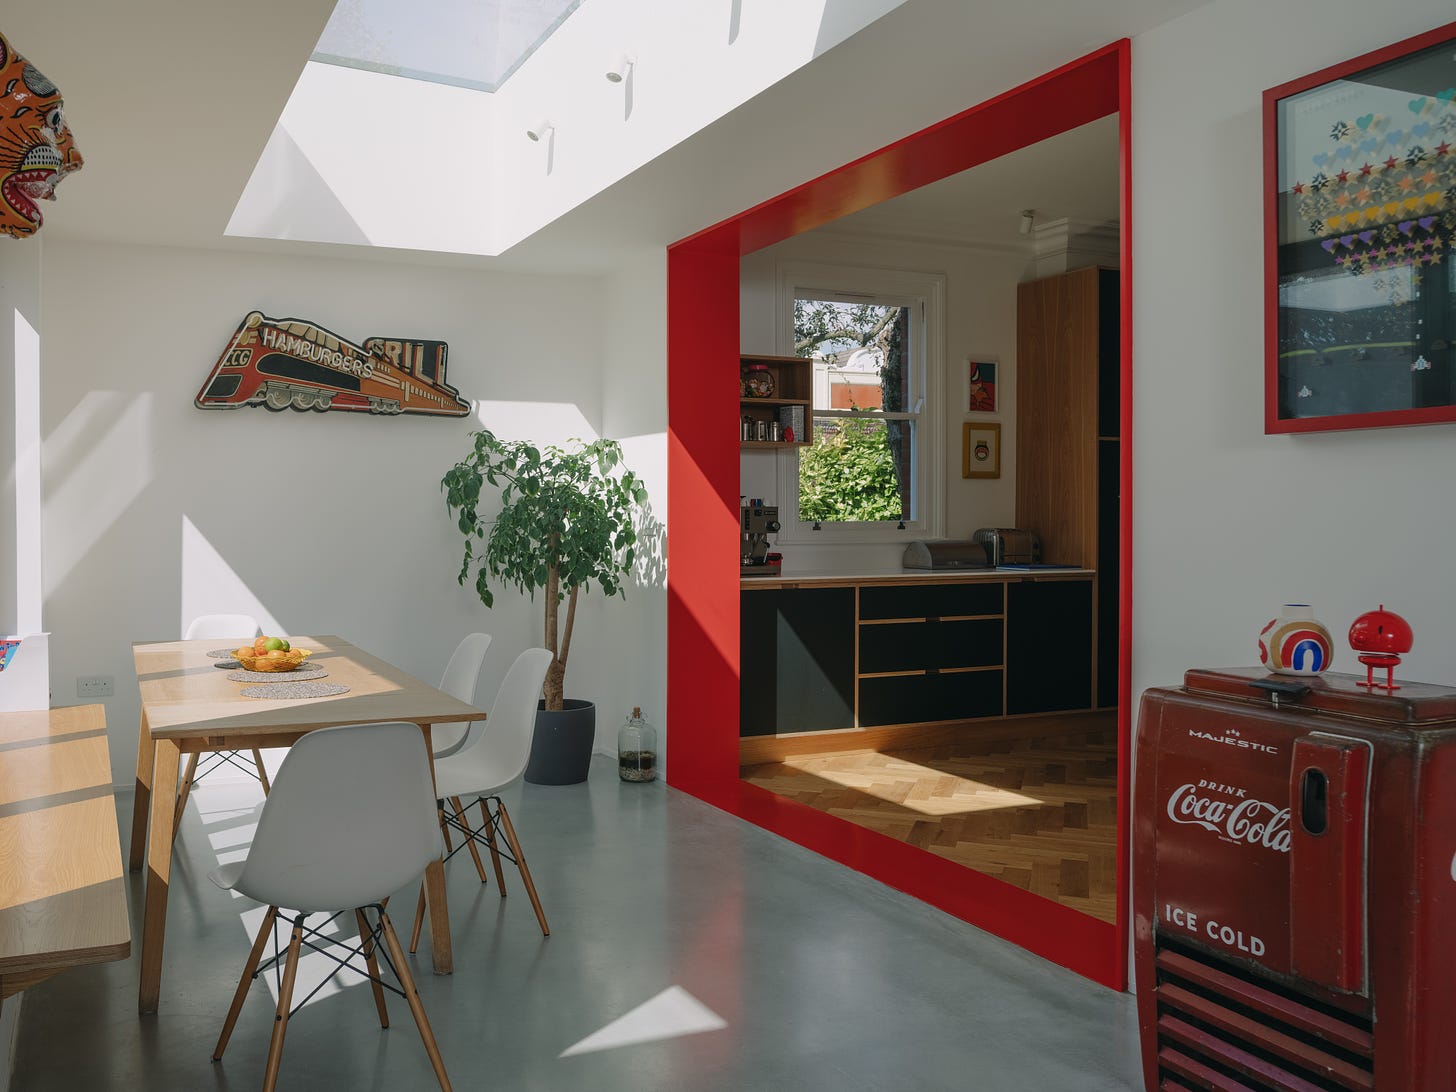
(93,686)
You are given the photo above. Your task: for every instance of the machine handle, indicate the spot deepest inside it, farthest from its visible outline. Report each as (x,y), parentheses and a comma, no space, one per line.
(1278,688)
(1314,801)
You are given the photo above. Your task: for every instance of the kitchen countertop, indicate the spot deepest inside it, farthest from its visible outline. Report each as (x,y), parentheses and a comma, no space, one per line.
(907,576)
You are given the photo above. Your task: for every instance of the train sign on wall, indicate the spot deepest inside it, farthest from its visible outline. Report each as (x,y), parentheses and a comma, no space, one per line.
(279,363)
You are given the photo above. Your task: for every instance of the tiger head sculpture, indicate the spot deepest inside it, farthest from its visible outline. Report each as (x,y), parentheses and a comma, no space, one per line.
(36,149)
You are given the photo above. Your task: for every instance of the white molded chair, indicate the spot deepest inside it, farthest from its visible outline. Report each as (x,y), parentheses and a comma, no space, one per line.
(350,820)
(492,757)
(462,676)
(224,627)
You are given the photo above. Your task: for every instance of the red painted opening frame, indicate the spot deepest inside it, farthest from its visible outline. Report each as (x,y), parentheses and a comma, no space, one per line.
(703,476)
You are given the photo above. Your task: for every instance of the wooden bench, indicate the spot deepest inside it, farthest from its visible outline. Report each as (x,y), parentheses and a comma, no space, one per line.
(62,899)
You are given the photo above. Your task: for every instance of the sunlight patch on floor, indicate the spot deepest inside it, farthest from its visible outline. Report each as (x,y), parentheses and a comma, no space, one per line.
(912,786)
(672,1013)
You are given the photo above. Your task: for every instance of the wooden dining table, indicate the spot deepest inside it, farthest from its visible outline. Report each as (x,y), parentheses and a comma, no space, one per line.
(190,706)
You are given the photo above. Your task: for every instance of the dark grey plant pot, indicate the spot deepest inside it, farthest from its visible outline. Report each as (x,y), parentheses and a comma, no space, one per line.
(561,747)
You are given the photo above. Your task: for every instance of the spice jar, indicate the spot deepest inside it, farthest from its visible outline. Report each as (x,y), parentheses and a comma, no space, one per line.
(636,748)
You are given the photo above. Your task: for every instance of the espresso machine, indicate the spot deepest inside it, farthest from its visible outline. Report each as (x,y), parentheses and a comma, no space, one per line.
(756,522)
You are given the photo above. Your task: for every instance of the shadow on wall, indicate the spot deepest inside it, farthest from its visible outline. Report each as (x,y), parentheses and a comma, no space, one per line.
(650,568)
(840,19)
(293,201)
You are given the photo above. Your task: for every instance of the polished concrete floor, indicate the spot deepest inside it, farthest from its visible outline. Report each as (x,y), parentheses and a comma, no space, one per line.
(688,951)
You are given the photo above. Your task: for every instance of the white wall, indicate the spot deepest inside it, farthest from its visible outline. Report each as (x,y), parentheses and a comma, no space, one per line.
(20,265)
(1230,523)
(322,523)
(980,320)
(634,410)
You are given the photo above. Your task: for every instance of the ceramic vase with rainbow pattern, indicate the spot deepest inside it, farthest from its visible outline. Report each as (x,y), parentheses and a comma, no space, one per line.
(1294,643)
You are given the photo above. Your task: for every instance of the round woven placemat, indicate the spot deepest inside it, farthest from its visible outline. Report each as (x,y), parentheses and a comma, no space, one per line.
(298,674)
(294,690)
(224,653)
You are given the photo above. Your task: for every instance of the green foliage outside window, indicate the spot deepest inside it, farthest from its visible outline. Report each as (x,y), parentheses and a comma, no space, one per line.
(852,473)
(849,475)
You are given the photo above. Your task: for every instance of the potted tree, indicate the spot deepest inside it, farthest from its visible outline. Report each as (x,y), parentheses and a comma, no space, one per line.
(565,522)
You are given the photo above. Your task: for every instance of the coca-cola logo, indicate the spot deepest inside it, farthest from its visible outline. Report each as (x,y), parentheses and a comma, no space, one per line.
(1254,822)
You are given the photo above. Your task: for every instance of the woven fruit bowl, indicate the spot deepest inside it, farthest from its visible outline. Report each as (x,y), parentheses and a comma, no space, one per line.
(254,660)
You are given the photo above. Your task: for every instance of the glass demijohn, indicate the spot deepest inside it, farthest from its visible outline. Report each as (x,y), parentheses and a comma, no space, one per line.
(637,748)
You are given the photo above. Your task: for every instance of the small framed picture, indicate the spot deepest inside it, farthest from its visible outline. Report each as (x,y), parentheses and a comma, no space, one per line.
(980,386)
(980,450)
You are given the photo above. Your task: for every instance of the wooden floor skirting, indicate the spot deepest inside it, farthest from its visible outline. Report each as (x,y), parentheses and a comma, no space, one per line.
(1038,809)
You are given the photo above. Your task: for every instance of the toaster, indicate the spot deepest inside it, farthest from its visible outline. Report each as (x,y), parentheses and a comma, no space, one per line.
(1008,546)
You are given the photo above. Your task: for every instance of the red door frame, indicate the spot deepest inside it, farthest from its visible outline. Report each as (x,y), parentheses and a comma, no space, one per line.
(702,585)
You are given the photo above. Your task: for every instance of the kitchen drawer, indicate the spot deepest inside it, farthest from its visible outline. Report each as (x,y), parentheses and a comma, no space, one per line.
(910,699)
(931,600)
(916,646)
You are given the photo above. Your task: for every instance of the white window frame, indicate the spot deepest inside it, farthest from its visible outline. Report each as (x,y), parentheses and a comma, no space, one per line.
(924,293)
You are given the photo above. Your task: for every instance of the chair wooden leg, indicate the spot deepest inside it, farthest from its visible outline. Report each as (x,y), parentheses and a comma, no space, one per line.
(249,968)
(515,844)
(417,1010)
(444,827)
(489,828)
(183,793)
(262,770)
(373,965)
(285,1000)
(469,841)
(419,921)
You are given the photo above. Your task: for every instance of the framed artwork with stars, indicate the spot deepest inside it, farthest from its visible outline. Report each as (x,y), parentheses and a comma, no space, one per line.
(1359,226)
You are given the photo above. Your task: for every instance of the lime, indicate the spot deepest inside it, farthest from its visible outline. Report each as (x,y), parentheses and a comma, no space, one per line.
(272,644)
(285,646)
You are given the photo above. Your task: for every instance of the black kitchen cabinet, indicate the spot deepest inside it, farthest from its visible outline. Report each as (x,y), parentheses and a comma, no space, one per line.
(928,697)
(796,657)
(930,652)
(1048,646)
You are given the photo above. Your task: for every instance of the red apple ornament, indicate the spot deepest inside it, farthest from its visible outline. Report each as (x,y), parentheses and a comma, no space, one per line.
(1379,637)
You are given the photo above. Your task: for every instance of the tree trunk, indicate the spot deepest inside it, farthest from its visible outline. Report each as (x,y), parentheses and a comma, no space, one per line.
(554,690)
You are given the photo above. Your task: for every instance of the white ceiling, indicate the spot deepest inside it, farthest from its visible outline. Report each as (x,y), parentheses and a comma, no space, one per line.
(1073,176)
(172,103)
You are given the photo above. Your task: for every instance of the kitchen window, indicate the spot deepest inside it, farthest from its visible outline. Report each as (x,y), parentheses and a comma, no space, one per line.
(874,471)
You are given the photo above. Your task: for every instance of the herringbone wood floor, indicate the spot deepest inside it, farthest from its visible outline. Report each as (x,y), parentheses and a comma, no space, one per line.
(1039,813)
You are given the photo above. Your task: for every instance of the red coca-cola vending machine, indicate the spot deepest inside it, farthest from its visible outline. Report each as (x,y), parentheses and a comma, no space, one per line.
(1294,884)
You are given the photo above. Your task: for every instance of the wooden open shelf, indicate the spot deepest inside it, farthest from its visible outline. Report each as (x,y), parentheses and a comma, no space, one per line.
(793,386)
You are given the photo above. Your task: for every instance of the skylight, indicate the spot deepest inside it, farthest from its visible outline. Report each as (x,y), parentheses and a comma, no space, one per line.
(465,43)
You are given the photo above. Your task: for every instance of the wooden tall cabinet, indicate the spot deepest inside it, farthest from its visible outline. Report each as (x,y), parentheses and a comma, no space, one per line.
(1068,403)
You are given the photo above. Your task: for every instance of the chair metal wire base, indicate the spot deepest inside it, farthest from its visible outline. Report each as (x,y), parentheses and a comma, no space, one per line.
(498,834)
(375,940)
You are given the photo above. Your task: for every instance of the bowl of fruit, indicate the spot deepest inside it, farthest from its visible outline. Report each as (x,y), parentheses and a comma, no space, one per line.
(271,654)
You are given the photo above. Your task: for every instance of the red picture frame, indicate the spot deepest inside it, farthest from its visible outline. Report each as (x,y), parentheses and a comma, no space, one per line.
(1359,231)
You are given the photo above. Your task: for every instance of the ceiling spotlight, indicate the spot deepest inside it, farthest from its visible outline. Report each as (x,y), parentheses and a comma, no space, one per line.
(541,132)
(1028,217)
(621,70)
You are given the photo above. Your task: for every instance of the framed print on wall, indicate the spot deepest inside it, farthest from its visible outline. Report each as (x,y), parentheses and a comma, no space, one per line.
(980,450)
(980,385)
(1359,222)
